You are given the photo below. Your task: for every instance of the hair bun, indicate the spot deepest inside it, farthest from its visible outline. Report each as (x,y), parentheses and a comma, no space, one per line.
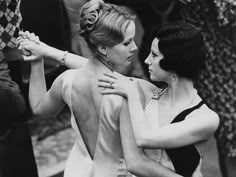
(89,16)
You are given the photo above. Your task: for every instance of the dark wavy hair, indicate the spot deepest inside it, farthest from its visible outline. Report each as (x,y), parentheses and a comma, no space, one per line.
(183,48)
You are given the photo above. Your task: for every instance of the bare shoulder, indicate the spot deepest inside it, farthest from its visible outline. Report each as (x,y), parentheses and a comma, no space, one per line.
(81,77)
(206,118)
(66,74)
(209,113)
(60,80)
(146,87)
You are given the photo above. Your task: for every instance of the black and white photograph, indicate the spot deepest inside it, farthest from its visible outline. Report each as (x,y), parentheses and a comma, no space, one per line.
(117,88)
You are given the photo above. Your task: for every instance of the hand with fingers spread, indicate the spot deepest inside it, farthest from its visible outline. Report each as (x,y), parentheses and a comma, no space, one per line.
(115,83)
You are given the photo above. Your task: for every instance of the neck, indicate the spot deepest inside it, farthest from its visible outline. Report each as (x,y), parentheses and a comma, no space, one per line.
(178,91)
(106,63)
(98,66)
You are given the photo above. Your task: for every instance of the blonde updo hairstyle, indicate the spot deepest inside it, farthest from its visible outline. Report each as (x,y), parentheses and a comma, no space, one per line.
(103,24)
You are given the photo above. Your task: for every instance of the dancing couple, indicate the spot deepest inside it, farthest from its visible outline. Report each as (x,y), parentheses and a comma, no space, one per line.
(126,126)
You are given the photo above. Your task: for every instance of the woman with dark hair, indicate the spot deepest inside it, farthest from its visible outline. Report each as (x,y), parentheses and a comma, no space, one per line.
(183,49)
(175,118)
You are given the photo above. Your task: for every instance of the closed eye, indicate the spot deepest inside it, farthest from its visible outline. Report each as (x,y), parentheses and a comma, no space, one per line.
(153,54)
(127,43)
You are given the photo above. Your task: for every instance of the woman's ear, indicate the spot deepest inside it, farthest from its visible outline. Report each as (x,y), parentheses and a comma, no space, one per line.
(102,50)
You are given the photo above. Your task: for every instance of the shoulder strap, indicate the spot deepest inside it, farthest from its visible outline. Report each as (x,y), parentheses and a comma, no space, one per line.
(181,116)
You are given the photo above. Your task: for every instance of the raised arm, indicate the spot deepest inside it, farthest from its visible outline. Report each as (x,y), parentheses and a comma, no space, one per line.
(43,102)
(137,163)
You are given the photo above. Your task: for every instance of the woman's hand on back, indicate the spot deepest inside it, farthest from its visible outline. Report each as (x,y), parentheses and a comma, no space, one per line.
(115,83)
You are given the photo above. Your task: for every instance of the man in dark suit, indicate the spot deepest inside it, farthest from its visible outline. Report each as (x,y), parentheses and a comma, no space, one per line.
(16,151)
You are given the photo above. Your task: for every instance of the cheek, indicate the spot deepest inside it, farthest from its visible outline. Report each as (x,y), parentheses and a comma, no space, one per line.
(117,58)
(156,66)
(122,55)
(158,72)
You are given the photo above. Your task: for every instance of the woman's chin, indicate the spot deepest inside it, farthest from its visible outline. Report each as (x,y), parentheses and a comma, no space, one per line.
(152,78)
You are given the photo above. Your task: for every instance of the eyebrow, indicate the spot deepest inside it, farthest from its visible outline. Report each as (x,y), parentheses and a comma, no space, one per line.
(128,40)
(153,50)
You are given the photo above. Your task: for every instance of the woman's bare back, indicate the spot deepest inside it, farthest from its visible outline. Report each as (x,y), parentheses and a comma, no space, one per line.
(86,100)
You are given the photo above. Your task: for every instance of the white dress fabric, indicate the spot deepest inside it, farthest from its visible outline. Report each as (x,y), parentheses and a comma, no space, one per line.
(108,160)
(151,114)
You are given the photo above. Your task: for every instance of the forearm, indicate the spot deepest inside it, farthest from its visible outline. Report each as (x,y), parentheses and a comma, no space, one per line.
(71,60)
(136,162)
(33,49)
(37,85)
(145,167)
(137,117)
(145,135)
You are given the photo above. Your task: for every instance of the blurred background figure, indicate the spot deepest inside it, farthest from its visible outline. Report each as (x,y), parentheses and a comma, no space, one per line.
(16,151)
(77,43)
(217,20)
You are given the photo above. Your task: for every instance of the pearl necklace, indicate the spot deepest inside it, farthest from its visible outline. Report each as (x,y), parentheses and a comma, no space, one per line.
(156,95)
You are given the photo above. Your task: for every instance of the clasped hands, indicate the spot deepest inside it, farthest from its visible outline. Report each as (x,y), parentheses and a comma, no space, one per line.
(30,46)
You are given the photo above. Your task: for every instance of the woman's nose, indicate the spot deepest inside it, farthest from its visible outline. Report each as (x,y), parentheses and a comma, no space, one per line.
(148,60)
(134,47)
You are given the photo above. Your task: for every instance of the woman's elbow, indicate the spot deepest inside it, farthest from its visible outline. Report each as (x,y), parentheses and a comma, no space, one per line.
(211,128)
(132,166)
(141,141)
(132,160)
(36,113)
